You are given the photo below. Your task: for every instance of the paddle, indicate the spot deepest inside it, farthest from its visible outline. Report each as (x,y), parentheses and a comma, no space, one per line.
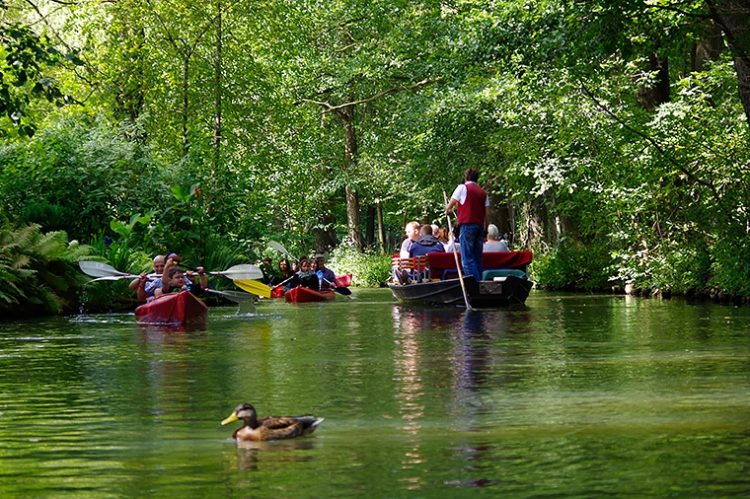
(118,277)
(339,289)
(274,245)
(455,254)
(106,272)
(100,269)
(235,296)
(254,287)
(279,286)
(244,271)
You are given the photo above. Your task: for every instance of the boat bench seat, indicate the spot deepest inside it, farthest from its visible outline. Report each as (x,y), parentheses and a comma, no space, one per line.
(415,267)
(443,265)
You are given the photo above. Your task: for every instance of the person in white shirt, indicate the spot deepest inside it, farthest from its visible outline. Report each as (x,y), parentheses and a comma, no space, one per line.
(493,242)
(412,234)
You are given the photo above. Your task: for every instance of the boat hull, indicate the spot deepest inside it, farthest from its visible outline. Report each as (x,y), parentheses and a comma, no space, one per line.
(182,309)
(507,291)
(301,294)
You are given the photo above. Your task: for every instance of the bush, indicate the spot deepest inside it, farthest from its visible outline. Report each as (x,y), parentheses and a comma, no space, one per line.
(76,175)
(369,270)
(39,271)
(730,268)
(571,266)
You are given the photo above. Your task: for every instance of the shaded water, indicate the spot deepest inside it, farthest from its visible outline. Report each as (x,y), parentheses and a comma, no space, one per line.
(573,395)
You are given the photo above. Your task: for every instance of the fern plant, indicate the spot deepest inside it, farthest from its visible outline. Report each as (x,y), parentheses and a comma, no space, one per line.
(39,271)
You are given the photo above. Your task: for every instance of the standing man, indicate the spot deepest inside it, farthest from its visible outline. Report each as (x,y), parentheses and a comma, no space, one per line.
(472,203)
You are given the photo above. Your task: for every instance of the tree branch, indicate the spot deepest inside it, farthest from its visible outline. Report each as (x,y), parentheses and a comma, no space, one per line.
(709,185)
(332,108)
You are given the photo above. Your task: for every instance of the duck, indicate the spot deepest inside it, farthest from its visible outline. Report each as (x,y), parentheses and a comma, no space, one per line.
(271,427)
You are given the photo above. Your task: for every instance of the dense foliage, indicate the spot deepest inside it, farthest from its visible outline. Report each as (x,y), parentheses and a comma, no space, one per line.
(39,271)
(612,136)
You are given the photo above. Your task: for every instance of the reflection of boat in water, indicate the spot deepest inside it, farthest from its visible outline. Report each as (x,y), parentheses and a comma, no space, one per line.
(504,283)
(183,310)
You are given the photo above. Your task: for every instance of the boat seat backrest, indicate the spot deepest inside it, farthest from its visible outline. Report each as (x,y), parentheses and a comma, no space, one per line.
(415,264)
(444,264)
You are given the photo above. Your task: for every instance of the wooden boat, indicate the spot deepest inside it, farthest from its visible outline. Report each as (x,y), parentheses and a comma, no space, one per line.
(505,283)
(507,290)
(301,294)
(181,309)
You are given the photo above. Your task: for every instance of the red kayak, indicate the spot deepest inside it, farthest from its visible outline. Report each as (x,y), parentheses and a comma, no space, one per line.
(301,294)
(343,281)
(174,309)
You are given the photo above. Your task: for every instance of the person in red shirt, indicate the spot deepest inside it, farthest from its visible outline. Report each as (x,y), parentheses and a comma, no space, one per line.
(472,202)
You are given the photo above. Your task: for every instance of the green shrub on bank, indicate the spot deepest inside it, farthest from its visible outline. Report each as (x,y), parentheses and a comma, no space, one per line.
(571,266)
(730,267)
(39,271)
(369,270)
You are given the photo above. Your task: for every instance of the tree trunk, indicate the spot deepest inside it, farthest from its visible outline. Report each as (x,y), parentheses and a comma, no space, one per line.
(658,94)
(733,16)
(185,102)
(370,234)
(381,227)
(708,47)
(350,159)
(130,96)
(217,88)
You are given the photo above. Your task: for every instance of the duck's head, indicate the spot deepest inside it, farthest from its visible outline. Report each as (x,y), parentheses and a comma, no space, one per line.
(245,412)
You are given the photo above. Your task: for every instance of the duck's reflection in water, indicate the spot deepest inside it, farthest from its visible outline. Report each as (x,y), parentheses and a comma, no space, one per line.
(251,456)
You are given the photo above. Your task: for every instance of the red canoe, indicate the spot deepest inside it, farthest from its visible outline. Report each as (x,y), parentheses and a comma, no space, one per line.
(174,309)
(301,294)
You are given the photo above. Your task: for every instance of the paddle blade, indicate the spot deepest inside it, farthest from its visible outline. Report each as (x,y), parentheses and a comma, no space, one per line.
(277,246)
(99,269)
(235,296)
(254,287)
(343,291)
(244,272)
(113,278)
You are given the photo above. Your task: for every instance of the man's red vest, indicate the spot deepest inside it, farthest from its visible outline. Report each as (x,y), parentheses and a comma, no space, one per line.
(472,211)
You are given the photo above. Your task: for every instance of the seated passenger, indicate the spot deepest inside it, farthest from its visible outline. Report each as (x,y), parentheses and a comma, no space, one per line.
(412,234)
(305,277)
(285,271)
(427,243)
(144,286)
(329,278)
(176,283)
(493,240)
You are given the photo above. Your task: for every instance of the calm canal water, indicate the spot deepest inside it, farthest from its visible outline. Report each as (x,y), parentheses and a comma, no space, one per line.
(573,395)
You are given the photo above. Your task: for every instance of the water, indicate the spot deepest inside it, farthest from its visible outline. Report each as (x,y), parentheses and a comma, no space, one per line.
(573,395)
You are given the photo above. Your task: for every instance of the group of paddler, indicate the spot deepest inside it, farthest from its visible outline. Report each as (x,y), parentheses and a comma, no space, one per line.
(169,277)
(311,273)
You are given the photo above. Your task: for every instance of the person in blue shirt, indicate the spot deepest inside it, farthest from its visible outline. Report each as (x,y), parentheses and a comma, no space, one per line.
(328,276)
(427,243)
(176,283)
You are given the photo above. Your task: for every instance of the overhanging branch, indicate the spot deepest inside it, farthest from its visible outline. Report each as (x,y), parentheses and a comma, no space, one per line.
(332,108)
